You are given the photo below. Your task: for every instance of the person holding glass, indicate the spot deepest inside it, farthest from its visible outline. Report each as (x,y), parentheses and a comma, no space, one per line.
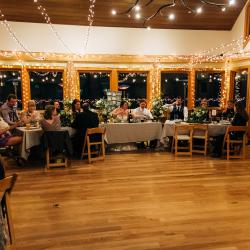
(51,121)
(122,112)
(31,115)
(229,112)
(177,110)
(142,112)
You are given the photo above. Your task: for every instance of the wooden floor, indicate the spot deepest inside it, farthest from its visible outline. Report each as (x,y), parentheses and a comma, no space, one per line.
(135,201)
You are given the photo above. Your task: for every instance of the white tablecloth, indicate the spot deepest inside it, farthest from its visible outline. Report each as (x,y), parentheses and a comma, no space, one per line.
(213,129)
(132,132)
(32,137)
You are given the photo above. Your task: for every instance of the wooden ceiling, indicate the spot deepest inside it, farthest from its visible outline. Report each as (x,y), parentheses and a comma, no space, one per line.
(75,12)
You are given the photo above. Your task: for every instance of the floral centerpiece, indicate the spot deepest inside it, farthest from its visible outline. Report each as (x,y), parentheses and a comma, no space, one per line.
(157,108)
(198,116)
(104,109)
(66,114)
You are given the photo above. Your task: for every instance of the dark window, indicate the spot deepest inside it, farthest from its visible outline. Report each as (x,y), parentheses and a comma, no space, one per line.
(46,87)
(10,83)
(240,85)
(133,85)
(174,85)
(208,85)
(94,85)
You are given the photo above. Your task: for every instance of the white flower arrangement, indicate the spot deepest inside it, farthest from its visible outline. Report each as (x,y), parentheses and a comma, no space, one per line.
(157,108)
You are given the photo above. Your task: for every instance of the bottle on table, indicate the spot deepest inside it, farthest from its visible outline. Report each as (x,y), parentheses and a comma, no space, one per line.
(130,117)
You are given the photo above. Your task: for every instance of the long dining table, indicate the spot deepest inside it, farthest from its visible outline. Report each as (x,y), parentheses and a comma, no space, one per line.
(214,129)
(32,137)
(132,132)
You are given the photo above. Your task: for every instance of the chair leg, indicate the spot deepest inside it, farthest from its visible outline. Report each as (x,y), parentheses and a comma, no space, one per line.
(228,149)
(89,152)
(205,147)
(176,147)
(47,158)
(10,223)
(191,146)
(103,148)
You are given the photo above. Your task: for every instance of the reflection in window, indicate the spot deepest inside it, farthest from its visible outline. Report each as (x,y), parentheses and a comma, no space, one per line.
(208,85)
(174,85)
(133,85)
(240,85)
(10,83)
(46,87)
(93,85)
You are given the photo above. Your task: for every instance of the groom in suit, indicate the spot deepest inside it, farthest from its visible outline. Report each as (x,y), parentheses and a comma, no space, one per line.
(83,121)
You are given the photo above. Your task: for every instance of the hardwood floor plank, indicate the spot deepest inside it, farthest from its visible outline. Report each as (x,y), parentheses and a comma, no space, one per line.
(134,201)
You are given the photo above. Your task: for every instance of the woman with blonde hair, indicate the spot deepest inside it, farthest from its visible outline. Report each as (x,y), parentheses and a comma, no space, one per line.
(31,115)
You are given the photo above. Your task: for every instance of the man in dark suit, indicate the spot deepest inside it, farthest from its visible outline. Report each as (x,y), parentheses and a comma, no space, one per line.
(83,121)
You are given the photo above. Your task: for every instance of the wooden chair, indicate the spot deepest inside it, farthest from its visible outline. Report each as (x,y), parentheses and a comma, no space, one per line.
(6,186)
(88,144)
(234,145)
(200,132)
(183,133)
(58,159)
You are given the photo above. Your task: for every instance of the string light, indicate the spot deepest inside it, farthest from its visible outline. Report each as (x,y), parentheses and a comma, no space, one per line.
(91,16)
(7,26)
(48,21)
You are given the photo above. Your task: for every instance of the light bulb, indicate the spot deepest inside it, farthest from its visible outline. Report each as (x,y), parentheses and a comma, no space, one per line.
(199,10)
(113,12)
(137,7)
(231,2)
(137,15)
(171,16)
(223,9)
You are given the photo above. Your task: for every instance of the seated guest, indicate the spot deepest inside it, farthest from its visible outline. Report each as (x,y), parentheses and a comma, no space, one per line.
(240,119)
(229,112)
(51,121)
(83,121)
(9,110)
(76,107)
(31,115)
(142,112)
(57,107)
(122,112)
(204,104)
(177,109)
(6,138)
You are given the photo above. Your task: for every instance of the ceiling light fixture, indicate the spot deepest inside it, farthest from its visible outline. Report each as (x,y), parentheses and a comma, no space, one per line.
(137,15)
(231,2)
(171,16)
(113,12)
(184,3)
(137,7)
(199,10)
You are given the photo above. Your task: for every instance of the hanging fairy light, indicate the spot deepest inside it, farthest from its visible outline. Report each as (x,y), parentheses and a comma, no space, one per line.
(7,26)
(48,21)
(91,16)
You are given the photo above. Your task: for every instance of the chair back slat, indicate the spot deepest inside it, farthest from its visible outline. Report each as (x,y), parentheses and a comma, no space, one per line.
(91,131)
(7,184)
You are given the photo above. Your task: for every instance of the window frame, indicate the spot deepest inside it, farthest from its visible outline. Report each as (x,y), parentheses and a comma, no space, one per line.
(247,26)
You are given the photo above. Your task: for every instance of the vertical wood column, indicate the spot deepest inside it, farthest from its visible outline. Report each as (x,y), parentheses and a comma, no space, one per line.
(71,82)
(248,99)
(191,89)
(114,80)
(26,96)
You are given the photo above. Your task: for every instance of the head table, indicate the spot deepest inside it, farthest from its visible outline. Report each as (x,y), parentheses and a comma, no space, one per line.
(132,132)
